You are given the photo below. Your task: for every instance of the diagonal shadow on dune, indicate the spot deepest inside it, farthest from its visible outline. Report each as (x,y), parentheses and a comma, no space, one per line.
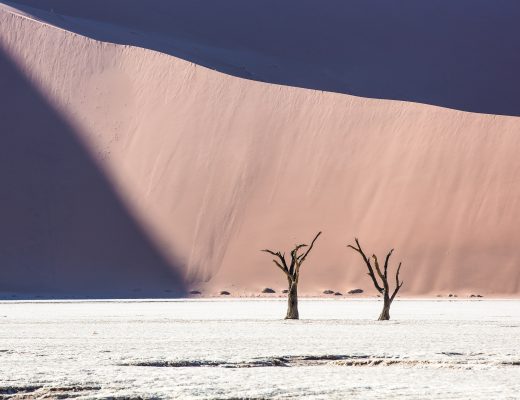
(63,230)
(461,54)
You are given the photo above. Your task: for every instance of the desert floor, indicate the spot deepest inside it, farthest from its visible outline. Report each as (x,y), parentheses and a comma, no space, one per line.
(237,348)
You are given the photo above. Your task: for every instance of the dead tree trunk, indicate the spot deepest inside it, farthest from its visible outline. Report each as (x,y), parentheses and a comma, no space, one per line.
(292,301)
(385,313)
(292,271)
(384,287)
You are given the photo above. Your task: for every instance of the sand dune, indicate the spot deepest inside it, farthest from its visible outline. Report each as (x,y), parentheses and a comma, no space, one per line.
(210,168)
(445,53)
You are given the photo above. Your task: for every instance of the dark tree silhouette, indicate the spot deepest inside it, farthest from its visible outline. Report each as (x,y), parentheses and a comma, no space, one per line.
(383,288)
(292,271)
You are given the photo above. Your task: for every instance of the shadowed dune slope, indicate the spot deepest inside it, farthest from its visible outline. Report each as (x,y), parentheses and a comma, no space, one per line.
(214,168)
(63,230)
(462,54)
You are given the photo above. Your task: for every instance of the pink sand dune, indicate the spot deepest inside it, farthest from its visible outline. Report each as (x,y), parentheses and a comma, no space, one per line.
(204,169)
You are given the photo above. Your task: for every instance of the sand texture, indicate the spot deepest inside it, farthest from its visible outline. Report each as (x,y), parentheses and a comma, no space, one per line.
(132,171)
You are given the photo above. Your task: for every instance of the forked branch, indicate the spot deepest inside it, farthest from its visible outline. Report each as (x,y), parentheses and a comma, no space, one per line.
(293,272)
(368,264)
(282,264)
(382,287)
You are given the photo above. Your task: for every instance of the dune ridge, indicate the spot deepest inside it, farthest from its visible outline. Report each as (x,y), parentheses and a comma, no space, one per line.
(461,54)
(215,167)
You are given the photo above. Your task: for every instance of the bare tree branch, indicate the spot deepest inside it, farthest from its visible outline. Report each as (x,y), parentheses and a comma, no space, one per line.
(277,254)
(383,275)
(302,259)
(295,257)
(292,272)
(386,262)
(376,263)
(398,284)
(368,264)
(284,262)
(299,246)
(283,265)
(282,268)
(299,260)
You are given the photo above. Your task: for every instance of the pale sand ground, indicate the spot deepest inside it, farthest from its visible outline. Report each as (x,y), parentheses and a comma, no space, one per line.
(243,349)
(215,168)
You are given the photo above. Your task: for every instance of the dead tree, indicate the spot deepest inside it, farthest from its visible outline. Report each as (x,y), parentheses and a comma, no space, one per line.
(292,271)
(383,288)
